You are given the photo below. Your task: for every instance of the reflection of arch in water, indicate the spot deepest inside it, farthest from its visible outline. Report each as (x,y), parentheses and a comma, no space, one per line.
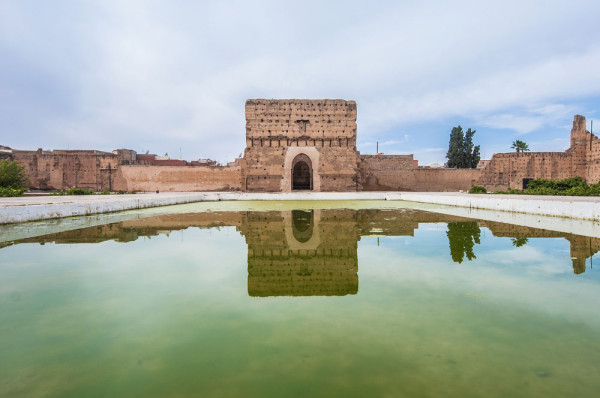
(302,225)
(302,229)
(302,173)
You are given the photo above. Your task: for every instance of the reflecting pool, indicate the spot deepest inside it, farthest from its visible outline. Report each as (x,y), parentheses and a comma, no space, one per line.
(301,302)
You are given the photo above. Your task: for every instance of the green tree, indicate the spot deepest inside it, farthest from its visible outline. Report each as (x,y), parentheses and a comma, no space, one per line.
(520,146)
(462,153)
(11,175)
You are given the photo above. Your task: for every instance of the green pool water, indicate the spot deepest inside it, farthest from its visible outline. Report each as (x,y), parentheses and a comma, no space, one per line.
(300,303)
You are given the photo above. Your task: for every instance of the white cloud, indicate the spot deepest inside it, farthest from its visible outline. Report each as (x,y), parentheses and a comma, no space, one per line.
(162,75)
(529,119)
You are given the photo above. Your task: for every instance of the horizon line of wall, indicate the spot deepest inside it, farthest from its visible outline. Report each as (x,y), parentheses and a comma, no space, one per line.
(118,170)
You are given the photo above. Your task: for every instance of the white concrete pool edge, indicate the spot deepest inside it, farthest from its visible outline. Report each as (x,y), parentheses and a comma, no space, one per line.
(575,207)
(24,209)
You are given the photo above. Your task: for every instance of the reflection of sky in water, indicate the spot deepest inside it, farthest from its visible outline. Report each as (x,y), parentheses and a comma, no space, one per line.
(538,275)
(171,315)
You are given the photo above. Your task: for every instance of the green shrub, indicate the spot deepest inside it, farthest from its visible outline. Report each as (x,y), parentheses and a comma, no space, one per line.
(542,190)
(121,192)
(578,191)
(540,183)
(477,189)
(79,191)
(500,192)
(568,183)
(105,192)
(595,189)
(572,186)
(11,192)
(11,175)
(557,185)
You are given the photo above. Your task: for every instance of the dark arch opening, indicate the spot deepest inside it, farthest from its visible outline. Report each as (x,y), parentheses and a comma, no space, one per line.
(302,178)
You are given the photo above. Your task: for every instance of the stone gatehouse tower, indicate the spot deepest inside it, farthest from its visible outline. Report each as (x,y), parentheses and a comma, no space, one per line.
(300,145)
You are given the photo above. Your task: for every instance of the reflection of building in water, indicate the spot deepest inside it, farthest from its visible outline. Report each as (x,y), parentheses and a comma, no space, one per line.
(582,247)
(315,252)
(301,253)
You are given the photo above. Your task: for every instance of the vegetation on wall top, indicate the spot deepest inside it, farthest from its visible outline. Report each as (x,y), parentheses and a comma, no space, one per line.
(520,146)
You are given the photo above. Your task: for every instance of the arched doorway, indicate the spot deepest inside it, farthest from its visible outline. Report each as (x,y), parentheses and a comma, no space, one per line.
(302,178)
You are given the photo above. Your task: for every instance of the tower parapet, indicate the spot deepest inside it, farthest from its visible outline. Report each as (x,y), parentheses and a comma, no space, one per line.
(580,140)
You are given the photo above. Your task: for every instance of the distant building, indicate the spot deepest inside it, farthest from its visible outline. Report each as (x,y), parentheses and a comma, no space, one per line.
(5,152)
(482,163)
(127,156)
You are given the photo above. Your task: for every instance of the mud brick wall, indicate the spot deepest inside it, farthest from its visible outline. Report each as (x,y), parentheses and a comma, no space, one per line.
(445,180)
(398,173)
(69,169)
(386,172)
(593,159)
(179,178)
(508,170)
(322,133)
(277,131)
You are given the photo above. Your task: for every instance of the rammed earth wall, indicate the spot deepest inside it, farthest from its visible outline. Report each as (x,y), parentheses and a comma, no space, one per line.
(180,178)
(322,133)
(399,173)
(512,170)
(310,145)
(68,169)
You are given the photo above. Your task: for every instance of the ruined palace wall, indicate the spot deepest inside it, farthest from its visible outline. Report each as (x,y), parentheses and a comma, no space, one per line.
(179,178)
(68,169)
(398,173)
(386,172)
(582,159)
(279,130)
(593,160)
(56,170)
(280,122)
(445,180)
(507,170)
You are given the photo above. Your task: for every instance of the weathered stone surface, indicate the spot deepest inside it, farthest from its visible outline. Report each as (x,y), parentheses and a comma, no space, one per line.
(313,140)
(582,159)
(97,170)
(62,169)
(280,131)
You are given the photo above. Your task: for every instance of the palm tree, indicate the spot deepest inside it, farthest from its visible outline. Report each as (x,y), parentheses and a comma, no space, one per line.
(520,146)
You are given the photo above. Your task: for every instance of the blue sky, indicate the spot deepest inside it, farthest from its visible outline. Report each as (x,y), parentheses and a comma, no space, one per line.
(167,76)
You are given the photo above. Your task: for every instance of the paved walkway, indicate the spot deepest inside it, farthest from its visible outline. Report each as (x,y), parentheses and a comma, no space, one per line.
(16,210)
